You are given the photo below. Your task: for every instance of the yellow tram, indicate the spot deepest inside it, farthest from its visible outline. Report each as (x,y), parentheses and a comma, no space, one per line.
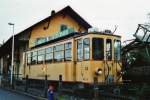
(77,57)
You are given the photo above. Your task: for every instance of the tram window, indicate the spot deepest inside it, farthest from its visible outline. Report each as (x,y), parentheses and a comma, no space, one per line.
(28,58)
(59,52)
(41,54)
(117,51)
(86,48)
(34,57)
(108,49)
(49,54)
(68,51)
(79,50)
(98,48)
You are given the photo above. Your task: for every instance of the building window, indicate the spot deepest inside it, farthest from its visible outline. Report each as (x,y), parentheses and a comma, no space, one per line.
(117,50)
(68,47)
(41,54)
(34,57)
(59,52)
(63,27)
(98,48)
(108,49)
(40,41)
(79,50)
(29,58)
(49,54)
(86,48)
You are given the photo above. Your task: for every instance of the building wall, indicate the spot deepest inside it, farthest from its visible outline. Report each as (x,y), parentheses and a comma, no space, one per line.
(38,31)
(6,65)
(22,49)
(21,62)
(1,65)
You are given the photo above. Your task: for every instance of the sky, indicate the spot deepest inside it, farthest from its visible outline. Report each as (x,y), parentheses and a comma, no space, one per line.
(102,14)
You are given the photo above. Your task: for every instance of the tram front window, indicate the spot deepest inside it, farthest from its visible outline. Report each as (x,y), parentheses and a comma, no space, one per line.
(79,50)
(86,48)
(98,48)
(108,49)
(117,47)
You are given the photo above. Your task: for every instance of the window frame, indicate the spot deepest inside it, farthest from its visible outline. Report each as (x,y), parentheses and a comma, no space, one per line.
(101,48)
(81,50)
(63,27)
(40,54)
(57,52)
(28,63)
(116,58)
(109,41)
(68,49)
(32,53)
(48,53)
(85,50)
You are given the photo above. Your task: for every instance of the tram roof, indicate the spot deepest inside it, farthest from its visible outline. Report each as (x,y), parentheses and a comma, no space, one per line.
(72,35)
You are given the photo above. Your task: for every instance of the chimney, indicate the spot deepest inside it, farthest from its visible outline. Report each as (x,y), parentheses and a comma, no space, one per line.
(52,12)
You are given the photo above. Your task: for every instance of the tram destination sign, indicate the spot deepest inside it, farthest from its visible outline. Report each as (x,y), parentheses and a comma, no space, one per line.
(55,36)
(61,34)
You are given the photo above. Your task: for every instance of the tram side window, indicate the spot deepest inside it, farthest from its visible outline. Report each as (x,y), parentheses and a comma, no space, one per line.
(117,51)
(29,58)
(98,48)
(34,57)
(108,49)
(49,54)
(59,52)
(68,47)
(41,54)
(79,50)
(86,48)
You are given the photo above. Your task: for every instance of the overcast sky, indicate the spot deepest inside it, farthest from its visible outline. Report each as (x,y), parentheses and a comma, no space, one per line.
(103,14)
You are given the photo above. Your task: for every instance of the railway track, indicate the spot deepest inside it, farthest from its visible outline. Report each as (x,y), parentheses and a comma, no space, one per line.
(91,95)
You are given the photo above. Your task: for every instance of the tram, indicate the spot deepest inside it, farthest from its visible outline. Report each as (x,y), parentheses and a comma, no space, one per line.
(76,58)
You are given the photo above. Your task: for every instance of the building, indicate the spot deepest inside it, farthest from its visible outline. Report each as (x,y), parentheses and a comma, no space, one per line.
(21,44)
(39,33)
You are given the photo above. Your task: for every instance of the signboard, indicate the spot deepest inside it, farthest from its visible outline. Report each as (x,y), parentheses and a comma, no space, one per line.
(55,36)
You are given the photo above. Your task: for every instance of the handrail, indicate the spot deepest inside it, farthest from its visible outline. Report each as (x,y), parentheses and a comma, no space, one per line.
(106,63)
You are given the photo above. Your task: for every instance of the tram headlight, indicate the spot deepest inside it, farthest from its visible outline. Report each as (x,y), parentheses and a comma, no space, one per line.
(120,72)
(98,71)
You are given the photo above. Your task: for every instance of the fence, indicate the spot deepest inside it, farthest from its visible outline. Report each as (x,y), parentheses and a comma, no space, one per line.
(39,88)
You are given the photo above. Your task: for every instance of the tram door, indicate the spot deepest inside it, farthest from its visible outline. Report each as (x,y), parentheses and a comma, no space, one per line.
(109,77)
(117,59)
(83,55)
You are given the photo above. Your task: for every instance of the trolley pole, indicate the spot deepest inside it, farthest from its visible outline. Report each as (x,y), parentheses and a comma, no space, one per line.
(12,59)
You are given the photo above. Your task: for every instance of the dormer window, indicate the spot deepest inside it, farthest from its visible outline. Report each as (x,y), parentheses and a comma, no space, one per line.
(63,27)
